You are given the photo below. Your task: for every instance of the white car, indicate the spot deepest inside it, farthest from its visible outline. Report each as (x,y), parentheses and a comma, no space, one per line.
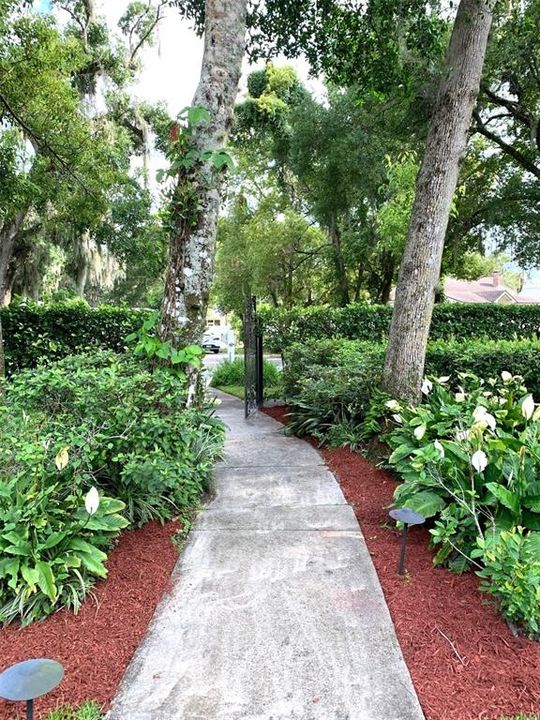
(211,341)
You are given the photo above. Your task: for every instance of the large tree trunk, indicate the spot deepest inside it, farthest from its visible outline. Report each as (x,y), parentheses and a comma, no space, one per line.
(435,186)
(339,262)
(8,235)
(192,248)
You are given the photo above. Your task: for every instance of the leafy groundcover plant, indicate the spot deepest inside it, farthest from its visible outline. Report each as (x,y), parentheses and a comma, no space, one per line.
(469,460)
(103,421)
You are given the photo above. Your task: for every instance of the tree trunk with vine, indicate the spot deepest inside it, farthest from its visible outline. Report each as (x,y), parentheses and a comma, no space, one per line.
(193,229)
(445,147)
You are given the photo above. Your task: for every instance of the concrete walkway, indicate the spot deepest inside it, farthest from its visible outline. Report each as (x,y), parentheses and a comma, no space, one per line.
(276,611)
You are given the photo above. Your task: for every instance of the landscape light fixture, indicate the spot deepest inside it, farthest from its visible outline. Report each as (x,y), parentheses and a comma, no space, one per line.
(28,680)
(407,517)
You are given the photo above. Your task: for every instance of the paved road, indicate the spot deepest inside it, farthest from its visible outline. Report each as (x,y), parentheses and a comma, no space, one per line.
(211,360)
(276,611)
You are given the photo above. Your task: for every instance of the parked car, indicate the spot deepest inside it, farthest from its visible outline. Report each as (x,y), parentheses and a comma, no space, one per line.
(211,341)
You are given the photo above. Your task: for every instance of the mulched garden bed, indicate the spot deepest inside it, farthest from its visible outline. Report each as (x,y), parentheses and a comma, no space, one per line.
(96,645)
(464,661)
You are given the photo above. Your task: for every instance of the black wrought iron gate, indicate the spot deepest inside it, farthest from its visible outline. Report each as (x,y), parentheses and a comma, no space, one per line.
(253,358)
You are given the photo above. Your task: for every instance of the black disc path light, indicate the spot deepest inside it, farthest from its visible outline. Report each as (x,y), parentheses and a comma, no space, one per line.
(407,517)
(27,680)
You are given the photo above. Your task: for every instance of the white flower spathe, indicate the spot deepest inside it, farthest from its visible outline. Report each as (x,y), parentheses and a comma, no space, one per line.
(426,386)
(506,376)
(393,405)
(437,445)
(420,431)
(459,397)
(527,407)
(444,379)
(479,412)
(481,415)
(91,501)
(397,418)
(479,461)
(462,435)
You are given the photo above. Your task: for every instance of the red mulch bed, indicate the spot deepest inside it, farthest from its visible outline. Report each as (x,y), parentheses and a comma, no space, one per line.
(96,645)
(495,674)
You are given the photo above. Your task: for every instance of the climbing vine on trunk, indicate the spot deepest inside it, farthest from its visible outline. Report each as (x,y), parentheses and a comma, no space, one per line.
(200,163)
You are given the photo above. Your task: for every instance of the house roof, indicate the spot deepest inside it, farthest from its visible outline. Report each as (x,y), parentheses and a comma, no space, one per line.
(483,290)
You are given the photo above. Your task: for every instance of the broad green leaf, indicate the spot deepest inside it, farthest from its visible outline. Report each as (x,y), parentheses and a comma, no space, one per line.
(46,580)
(31,576)
(94,564)
(53,539)
(509,499)
(426,503)
(532,503)
(402,451)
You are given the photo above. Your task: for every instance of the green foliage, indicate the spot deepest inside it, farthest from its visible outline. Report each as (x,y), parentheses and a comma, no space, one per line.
(371,322)
(103,421)
(511,574)
(327,384)
(88,711)
(271,252)
(150,346)
(470,460)
(330,381)
(232,373)
(35,334)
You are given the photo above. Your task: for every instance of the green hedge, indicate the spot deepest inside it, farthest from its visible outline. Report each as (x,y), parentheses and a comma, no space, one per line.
(331,381)
(371,322)
(33,333)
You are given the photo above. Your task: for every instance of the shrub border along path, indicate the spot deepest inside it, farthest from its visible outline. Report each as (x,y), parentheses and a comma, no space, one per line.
(96,645)
(463,659)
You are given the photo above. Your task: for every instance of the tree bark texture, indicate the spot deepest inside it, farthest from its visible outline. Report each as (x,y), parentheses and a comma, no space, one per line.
(8,236)
(436,182)
(341,271)
(192,249)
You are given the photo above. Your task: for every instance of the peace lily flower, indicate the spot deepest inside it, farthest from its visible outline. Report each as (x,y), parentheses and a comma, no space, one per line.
(461,435)
(397,418)
(444,379)
(459,397)
(91,501)
(479,461)
(479,412)
(393,405)
(527,407)
(506,376)
(437,445)
(420,431)
(536,413)
(482,416)
(426,386)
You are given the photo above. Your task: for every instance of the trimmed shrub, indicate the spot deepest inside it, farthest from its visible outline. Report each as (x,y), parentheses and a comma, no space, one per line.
(230,373)
(282,328)
(36,333)
(332,381)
